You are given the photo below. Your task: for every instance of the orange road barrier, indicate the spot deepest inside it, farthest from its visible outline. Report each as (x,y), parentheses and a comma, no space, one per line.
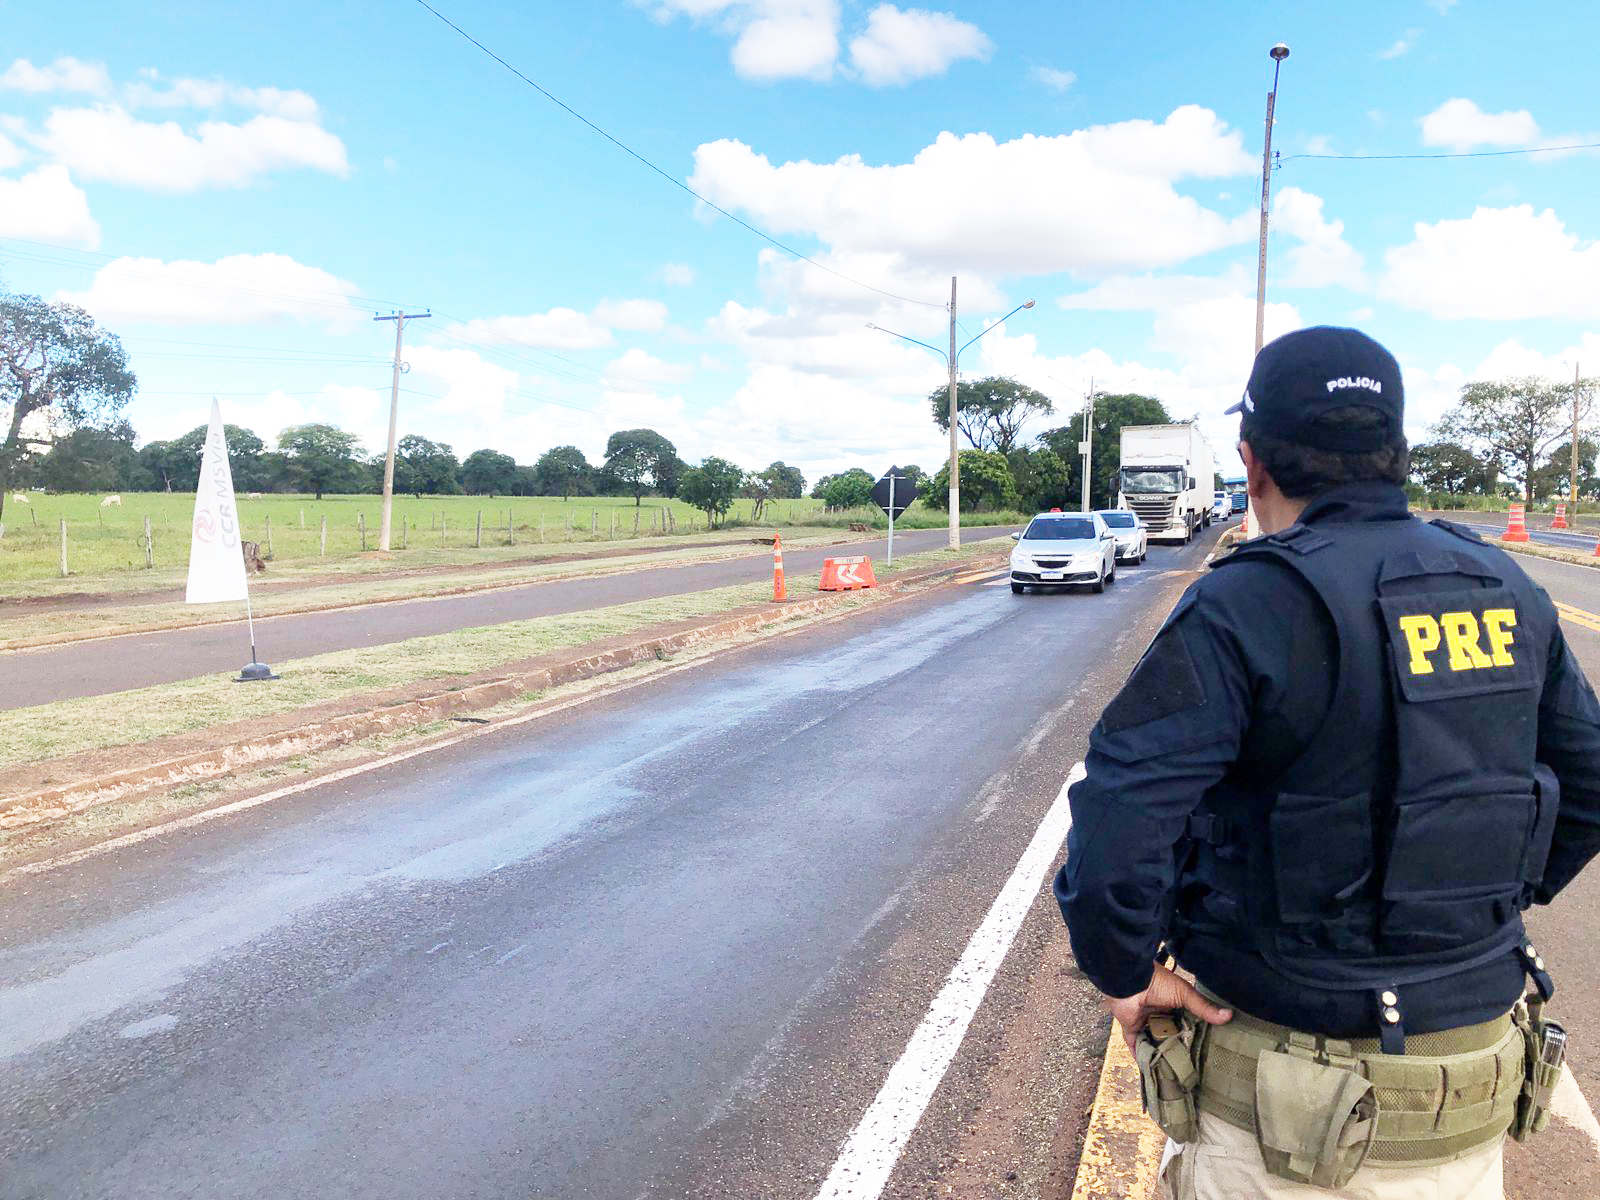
(1597,549)
(780,589)
(1516,525)
(847,574)
(1561,518)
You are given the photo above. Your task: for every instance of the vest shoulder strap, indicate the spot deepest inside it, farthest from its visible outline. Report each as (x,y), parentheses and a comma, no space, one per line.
(1461,531)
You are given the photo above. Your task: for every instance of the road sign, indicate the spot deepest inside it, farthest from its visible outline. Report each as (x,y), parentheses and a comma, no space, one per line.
(895,492)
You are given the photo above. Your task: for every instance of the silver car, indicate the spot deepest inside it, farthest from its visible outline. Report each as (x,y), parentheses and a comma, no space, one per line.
(1133,541)
(1061,549)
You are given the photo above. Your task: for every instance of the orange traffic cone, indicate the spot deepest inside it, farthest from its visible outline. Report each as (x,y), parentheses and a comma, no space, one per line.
(1561,518)
(1516,525)
(780,589)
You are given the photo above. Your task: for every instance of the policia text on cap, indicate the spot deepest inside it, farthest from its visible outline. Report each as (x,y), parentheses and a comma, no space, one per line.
(1353,755)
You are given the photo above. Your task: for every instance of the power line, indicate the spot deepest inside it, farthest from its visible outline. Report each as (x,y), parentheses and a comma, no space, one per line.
(672,179)
(1457,154)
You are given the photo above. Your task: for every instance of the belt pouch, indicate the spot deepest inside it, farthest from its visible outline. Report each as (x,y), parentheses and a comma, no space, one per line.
(1168,1079)
(1539,1077)
(1315,1121)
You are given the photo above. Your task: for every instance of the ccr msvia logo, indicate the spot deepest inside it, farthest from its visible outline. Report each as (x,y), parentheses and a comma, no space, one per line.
(1372,385)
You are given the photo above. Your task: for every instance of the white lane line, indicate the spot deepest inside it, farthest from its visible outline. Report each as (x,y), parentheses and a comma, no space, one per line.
(874,1146)
(1568,1102)
(509,955)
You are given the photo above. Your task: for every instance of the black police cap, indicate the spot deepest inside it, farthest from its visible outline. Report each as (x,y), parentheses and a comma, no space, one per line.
(1305,375)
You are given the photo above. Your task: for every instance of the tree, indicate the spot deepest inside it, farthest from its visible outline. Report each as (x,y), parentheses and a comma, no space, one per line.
(1043,480)
(711,487)
(990,412)
(786,482)
(321,458)
(1555,477)
(93,460)
(1444,466)
(1517,420)
(848,489)
(916,474)
(181,459)
(1111,413)
(985,482)
(57,370)
(489,473)
(641,460)
(423,466)
(562,470)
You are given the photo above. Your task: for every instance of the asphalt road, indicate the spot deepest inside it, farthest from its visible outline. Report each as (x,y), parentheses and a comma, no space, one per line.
(664,944)
(140,660)
(1578,543)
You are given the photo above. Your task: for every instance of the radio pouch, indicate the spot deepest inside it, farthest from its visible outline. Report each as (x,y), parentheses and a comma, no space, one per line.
(1168,1079)
(1539,1078)
(1315,1121)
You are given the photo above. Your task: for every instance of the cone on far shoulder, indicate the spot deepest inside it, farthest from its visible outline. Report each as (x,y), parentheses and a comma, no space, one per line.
(1516,525)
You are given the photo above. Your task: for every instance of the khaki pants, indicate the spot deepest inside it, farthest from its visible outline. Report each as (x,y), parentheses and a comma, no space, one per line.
(1225,1164)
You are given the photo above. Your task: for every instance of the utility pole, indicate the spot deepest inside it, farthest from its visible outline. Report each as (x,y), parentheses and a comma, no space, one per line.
(399,318)
(1574,487)
(1279,53)
(1086,446)
(955,460)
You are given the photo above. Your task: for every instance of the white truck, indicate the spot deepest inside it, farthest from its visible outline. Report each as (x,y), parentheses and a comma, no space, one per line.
(1166,478)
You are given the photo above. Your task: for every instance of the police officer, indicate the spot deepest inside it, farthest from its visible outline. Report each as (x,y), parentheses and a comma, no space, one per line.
(1355,752)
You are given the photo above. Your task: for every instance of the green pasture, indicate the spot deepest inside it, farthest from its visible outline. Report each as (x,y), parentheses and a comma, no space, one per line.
(108,541)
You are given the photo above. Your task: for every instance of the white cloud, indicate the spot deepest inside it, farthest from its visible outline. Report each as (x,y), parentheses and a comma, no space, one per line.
(901,45)
(10,153)
(636,369)
(1096,199)
(1498,264)
(64,75)
(292,105)
(241,289)
(46,206)
(1442,7)
(677,274)
(1322,256)
(1402,45)
(1056,81)
(106,143)
(1460,124)
(471,383)
(773,39)
(567,328)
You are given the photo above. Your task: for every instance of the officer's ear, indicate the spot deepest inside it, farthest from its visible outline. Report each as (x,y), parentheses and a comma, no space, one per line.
(1257,482)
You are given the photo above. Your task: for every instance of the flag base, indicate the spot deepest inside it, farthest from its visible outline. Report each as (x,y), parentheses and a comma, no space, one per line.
(255,672)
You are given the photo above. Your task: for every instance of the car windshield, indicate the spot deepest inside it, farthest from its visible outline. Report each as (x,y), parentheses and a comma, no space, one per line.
(1119,520)
(1059,529)
(1161,480)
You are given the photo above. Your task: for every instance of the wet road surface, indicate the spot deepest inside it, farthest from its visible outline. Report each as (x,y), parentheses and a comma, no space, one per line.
(666,943)
(142,659)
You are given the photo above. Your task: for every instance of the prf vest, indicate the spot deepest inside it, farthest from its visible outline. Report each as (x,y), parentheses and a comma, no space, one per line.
(1404,842)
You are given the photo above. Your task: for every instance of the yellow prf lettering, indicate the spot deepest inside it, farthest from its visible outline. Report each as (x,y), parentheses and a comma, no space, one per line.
(1422,638)
(1461,636)
(1497,626)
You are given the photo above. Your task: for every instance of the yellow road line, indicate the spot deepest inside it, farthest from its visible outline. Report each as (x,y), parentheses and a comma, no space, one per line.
(1122,1148)
(1578,616)
(986,573)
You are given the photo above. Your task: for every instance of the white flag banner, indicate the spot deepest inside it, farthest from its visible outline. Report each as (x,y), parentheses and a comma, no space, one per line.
(216,563)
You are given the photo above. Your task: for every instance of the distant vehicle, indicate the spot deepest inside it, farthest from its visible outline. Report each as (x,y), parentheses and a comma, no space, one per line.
(1061,549)
(1238,493)
(1222,508)
(1133,543)
(1165,470)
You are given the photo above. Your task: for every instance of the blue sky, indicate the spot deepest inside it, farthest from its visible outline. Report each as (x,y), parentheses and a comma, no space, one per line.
(236,196)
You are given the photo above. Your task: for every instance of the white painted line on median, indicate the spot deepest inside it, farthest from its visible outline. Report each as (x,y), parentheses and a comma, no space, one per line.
(874,1146)
(1568,1102)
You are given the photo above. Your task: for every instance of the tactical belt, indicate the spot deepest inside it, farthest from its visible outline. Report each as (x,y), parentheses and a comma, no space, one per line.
(1448,1094)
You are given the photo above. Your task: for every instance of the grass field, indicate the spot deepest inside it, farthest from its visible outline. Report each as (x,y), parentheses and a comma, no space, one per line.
(102,541)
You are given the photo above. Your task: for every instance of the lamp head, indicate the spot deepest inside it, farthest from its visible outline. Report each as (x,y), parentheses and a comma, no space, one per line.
(1029,304)
(1279,52)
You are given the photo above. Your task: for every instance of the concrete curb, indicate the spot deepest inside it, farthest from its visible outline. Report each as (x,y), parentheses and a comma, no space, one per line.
(1122,1147)
(552,670)
(1547,552)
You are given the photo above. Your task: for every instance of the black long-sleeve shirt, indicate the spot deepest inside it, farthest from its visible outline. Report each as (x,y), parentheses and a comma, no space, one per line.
(1263,652)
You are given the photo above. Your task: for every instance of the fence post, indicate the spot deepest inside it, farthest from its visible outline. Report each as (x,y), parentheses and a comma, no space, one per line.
(149,546)
(477,538)
(63,547)
(541,528)
(361,521)
(594,522)
(302,518)
(322,541)
(404,540)
(269,538)
(613,524)
(635,520)
(444,531)
(511,537)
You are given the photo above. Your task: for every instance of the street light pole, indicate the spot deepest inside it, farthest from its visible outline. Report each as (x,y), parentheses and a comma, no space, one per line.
(1088,443)
(1279,53)
(951,359)
(1574,487)
(399,318)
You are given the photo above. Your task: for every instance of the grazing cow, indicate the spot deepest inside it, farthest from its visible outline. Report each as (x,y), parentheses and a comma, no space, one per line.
(111,501)
(252,495)
(19,498)
(253,562)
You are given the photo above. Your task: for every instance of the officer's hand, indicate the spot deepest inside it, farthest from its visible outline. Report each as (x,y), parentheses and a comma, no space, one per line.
(1166,992)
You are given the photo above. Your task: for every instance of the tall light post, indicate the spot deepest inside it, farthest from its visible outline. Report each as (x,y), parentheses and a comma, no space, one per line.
(1279,53)
(950,361)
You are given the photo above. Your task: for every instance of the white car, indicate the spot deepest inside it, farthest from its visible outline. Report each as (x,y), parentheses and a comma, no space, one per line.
(1133,540)
(1222,507)
(1059,549)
